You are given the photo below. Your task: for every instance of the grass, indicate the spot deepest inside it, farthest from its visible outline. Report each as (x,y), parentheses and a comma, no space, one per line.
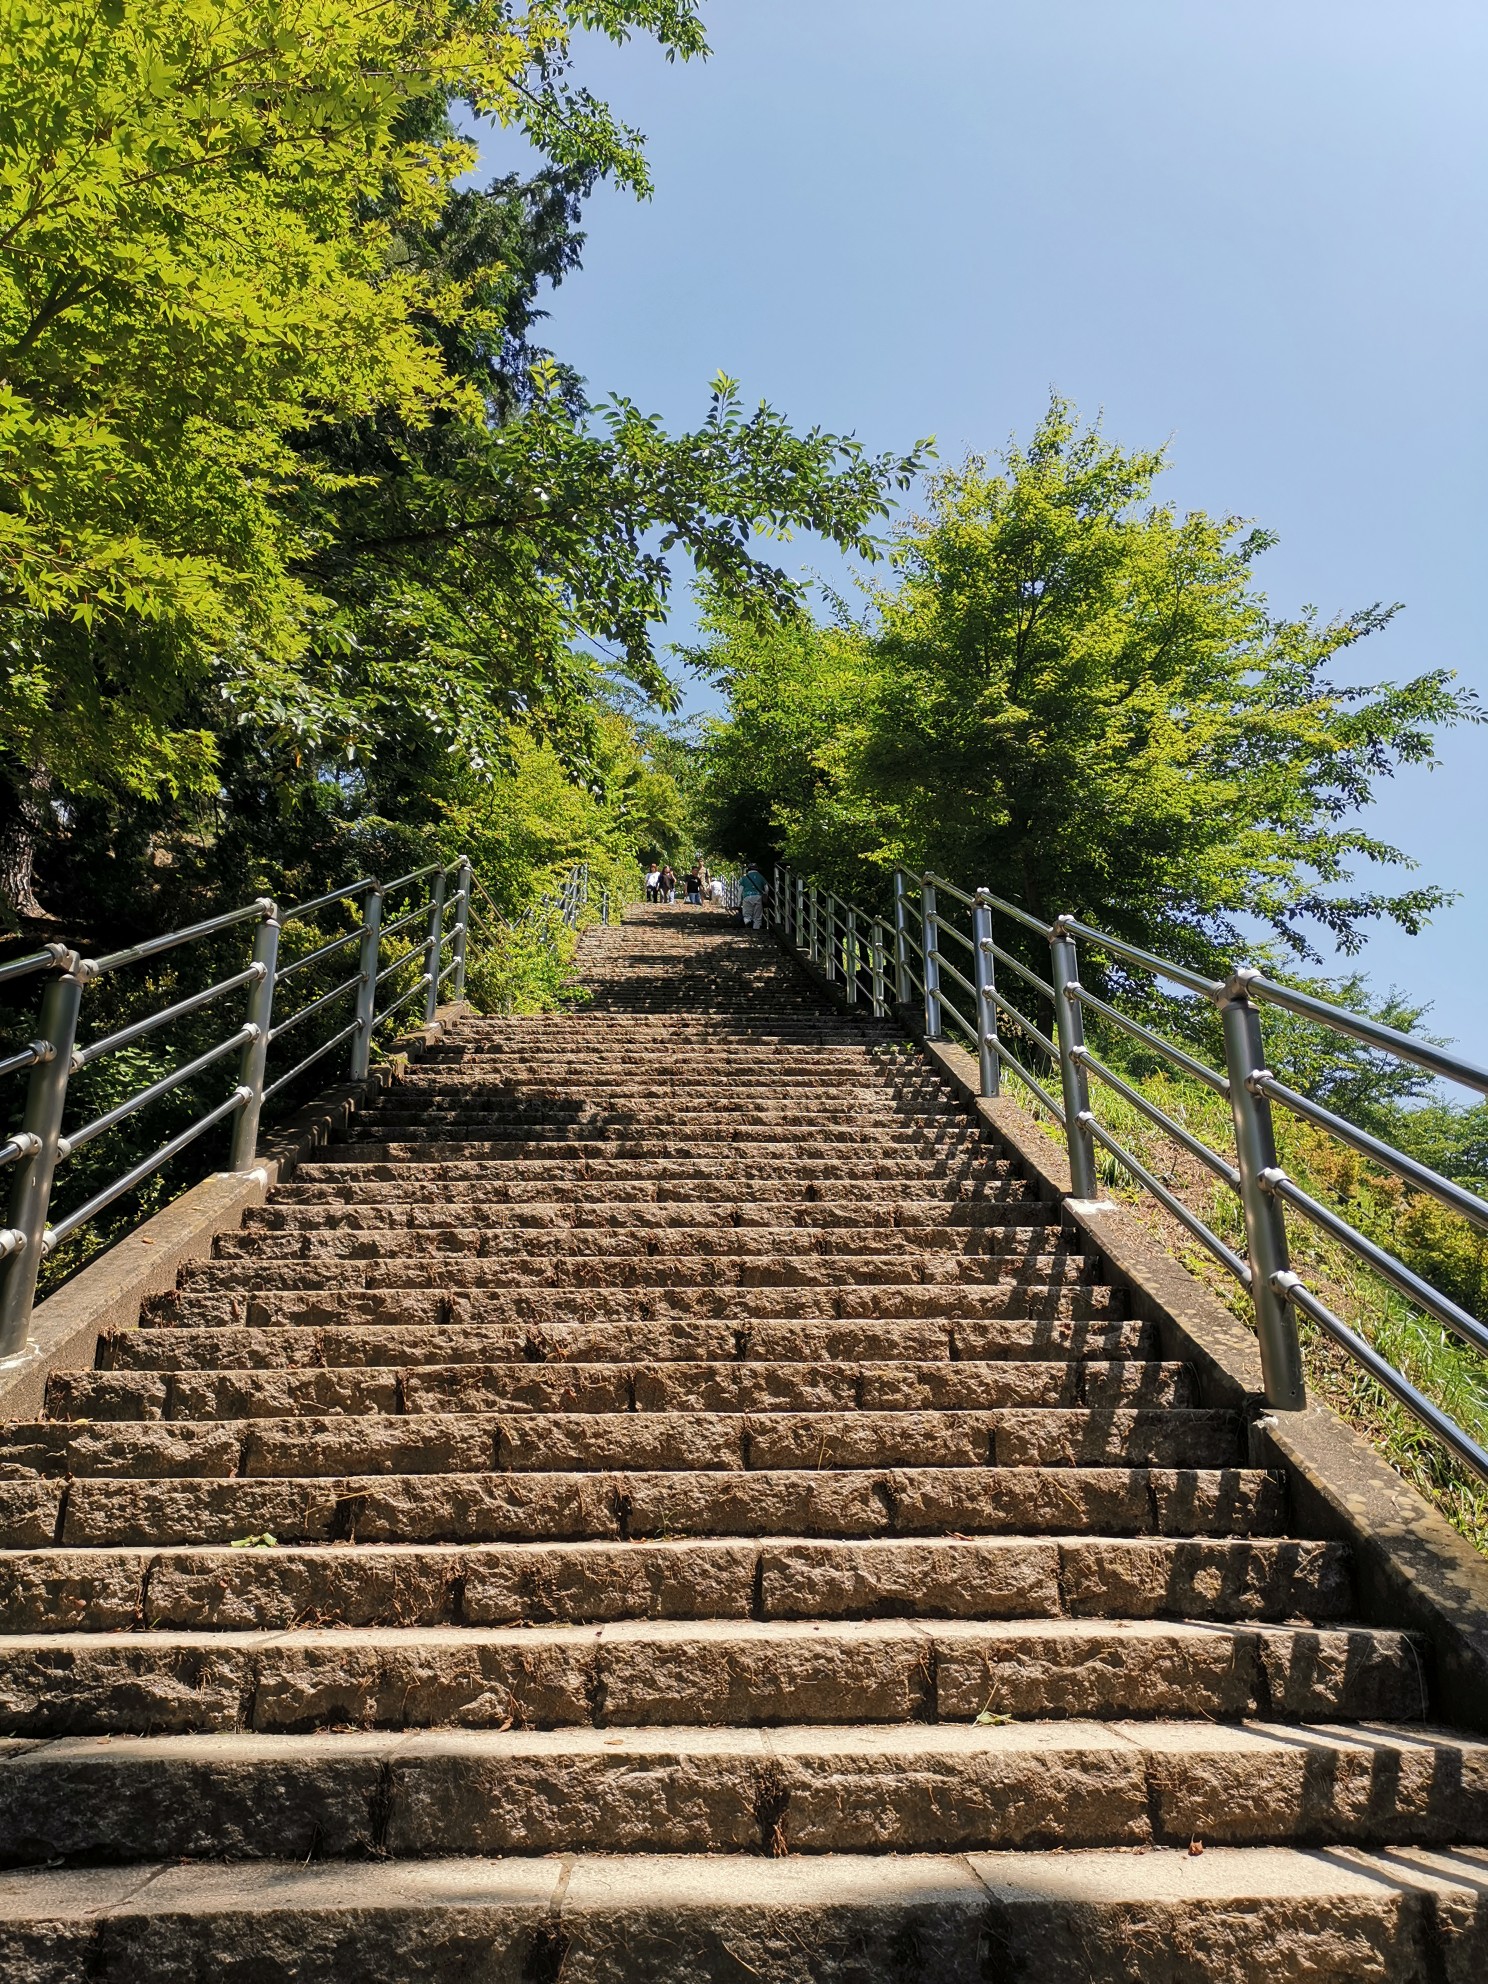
(1439,1245)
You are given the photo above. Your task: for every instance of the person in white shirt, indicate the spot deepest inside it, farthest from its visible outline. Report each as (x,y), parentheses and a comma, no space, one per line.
(653,883)
(715,891)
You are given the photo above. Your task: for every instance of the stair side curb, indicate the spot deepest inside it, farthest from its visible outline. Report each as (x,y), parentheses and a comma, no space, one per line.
(109,1292)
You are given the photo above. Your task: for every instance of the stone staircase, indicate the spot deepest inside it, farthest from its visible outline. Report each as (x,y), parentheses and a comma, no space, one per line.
(662,1500)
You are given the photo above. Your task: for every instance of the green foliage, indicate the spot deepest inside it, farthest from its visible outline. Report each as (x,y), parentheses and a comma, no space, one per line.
(292,497)
(1079,698)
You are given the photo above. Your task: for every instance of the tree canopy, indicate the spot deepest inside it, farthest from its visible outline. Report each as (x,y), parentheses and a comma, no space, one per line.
(1077,697)
(280,457)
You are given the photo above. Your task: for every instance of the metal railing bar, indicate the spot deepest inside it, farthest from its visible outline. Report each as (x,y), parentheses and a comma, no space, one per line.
(323,902)
(1237,1267)
(23,1144)
(420,985)
(413,916)
(127,1035)
(145,1096)
(1166,1123)
(1029,977)
(415,875)
(46,960)
(314,957)
(349,985)
(153,946)
(1018,915)
(939,882)
(1200,1070)
(1420,1175)
(914,978)
(950,930)
(448,971)
(141,1171)
(960,1018)
(311,1058)
(413,951)
(1024,1025)
(1391,1041)
(1395,1272)
(1383,1372)
(1210,988)
(37,1050)
(951,972)
(1055,1109)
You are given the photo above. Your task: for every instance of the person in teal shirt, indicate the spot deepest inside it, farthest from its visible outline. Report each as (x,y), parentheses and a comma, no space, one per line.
(752,890)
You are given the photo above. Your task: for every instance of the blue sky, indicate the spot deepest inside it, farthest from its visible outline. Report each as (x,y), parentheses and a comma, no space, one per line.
(1256,231)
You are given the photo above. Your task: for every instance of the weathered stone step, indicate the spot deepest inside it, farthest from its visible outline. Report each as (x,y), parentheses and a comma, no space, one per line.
(838,1195)
(1040,1276)
(282,1342)
(955,1140)
(799,1789)
(976,1164)
(1078,1917)
(470,1441)
(352,1213)
(957,1309)
(95,1513)
(654,1240)
(706,1672)
(643,1386)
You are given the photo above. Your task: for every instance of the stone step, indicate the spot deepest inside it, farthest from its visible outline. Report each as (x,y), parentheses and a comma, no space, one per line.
(1039,1277)
(1349,1916)
(656,1240)
(797,1789)
(97,1513)
(282,1343)
(643,1386)
(969,1171)
(838,1195)
(954,1143)
(467,1442)
(352,1214)
(715,1673)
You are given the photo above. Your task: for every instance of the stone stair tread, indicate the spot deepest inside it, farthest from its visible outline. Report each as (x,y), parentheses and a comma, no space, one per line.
(797,1788)
(1344,1917)
(705,1671)
(351,1344)
(486,1506)
(616,1386)
(311,1448)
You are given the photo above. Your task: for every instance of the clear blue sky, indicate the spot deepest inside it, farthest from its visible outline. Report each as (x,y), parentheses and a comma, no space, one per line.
(1254,230)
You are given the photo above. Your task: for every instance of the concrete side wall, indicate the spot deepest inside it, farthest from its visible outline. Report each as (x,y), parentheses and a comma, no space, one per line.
(109,1292)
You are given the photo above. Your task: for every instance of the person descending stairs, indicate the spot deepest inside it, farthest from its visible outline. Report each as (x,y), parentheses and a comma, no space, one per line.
(663,1498)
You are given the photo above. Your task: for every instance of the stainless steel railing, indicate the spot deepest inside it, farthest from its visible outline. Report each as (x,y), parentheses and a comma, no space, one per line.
(413,957)
(941,951)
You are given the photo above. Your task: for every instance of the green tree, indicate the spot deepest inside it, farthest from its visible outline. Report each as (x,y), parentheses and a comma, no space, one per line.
(277,451)
(1076,697)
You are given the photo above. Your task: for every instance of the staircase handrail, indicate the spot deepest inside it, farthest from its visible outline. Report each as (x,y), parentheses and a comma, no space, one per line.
(903,962)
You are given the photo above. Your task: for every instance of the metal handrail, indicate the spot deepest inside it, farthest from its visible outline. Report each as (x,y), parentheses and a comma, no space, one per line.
(1263,1187)
(40,1146)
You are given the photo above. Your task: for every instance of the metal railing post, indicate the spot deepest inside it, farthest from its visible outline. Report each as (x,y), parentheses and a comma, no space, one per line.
(831,960)
(434,948)
(812,922)
(260,1016)
(1069,1023)
(462,928)
(985,975)
(852,956)
(1265,1224)
(41,1130)
(367,959)
(876,952)
(930,939)
(604,903)
(800,913)
(902,986)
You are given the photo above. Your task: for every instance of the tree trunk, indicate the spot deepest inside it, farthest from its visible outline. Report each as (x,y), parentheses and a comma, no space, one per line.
(24,817)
